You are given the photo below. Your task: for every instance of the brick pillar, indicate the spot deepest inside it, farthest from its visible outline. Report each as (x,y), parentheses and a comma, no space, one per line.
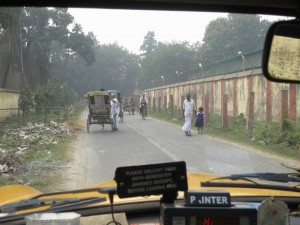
(181,104)
(171,105)
(206,109)
(149,102)
(250,112)
(283,108)
(178,99)
(222,93)
(268,103)
(203,93)
(250,83)
(159,104)
(153,104)
(234,97)
(293,102)
(211,97)
(203,104)
(224,111)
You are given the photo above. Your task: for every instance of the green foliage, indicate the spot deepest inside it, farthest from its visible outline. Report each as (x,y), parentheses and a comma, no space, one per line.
(25,100)
(9,52)
(39,28)
(40,98)
(149,43)
(54,94)
(115,68)
(271,135)
(290,135)
(215,121)
(82,44)
(225,37)
(166,59)
(237,125)
(268,133)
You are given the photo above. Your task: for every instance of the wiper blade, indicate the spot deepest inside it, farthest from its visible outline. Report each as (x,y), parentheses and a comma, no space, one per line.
(33,203)
(56,207)
(56,204)
(53,202)
(104,190)
(277,177)
(295,188)
(36,201)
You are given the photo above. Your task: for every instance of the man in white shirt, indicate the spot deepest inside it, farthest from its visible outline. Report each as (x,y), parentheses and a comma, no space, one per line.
(114,111)
(189,108)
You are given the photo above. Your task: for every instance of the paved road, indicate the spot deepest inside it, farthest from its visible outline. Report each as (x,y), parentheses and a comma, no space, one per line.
(100,152)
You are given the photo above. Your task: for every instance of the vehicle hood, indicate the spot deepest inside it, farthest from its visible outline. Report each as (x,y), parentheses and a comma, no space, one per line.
(12,193)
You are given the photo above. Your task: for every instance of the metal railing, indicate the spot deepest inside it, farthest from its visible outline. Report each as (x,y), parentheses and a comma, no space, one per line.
(34,115)
(248,61)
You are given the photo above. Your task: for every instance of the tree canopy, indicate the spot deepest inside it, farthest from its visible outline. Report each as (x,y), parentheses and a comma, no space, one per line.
(114,68)
(225,37)
(31,32)
(164,61)
(37,44)
(149,43)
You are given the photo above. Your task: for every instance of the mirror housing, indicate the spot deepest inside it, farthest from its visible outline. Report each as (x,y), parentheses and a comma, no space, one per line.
(281,56)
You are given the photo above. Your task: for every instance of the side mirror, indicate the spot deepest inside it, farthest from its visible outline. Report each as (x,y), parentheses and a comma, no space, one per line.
(281,56)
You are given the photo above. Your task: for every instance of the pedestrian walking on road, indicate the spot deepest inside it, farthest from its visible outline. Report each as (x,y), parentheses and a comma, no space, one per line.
(114,111)
(200,120)
(189,108)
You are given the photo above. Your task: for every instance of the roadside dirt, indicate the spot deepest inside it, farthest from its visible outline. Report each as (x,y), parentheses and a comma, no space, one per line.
(29,153)
(71,174)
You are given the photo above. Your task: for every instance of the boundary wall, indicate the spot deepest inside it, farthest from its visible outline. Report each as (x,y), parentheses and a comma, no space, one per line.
(8,103)
(245,92)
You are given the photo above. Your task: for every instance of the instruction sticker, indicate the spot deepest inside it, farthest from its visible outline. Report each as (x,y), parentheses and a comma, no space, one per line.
(151,179)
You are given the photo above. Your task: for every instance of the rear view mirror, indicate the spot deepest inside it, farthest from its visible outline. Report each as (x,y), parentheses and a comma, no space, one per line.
(281,57)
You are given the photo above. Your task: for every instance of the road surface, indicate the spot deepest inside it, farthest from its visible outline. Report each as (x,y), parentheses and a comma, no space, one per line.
(98,153)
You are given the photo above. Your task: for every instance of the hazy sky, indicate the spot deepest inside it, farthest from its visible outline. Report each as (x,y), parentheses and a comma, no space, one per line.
(128,28)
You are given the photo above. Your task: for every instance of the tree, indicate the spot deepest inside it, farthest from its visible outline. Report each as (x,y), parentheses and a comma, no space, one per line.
(81,44)
(25,100)
(115,68)
(225,37)
(40,27)
(54,94)
(149,43)
(10,43)
(215,39)
(165,60)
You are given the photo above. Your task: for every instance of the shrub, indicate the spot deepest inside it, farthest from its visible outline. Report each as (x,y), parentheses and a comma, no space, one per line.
(25,100)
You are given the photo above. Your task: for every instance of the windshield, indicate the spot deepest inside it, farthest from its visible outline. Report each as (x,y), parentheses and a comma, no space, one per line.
(85,91)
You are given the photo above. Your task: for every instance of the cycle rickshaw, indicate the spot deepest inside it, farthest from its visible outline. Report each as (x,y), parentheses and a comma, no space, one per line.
(99,109)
